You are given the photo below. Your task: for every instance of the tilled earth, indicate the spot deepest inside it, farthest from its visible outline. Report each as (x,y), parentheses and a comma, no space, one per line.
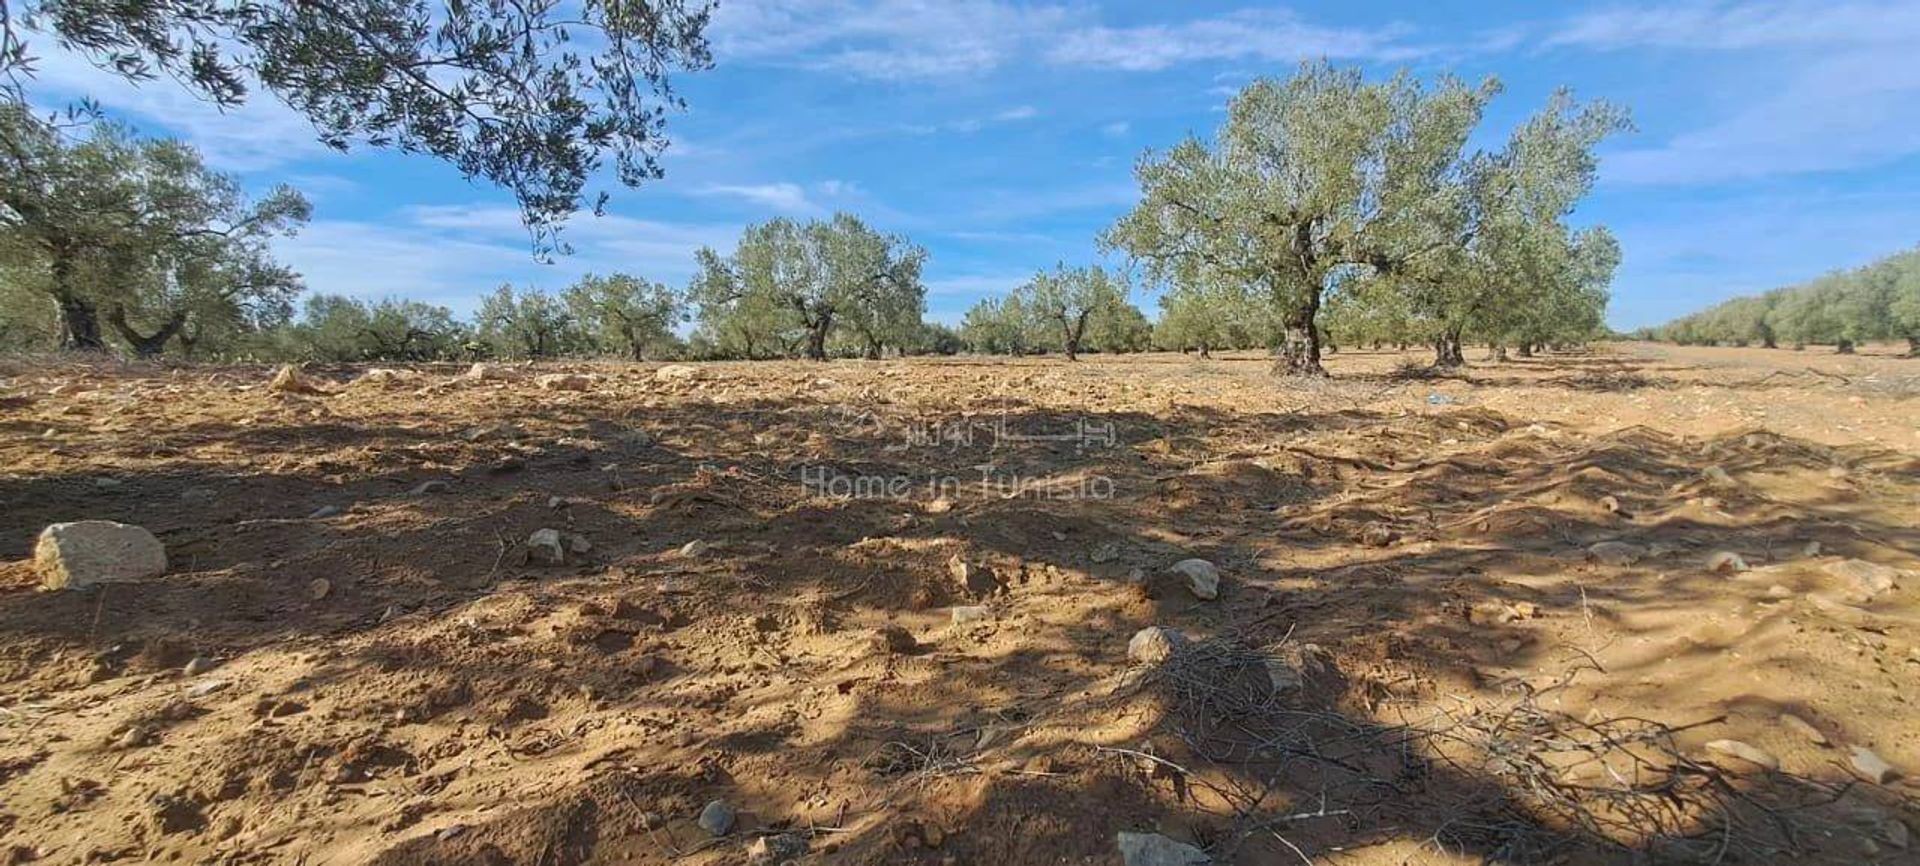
(763,613)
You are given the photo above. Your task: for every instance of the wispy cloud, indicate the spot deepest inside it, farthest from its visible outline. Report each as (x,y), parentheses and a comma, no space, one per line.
(1839,85)
(1849,111)
(1276,35)
(450,255)
(261,134)
(888,39)
(786,198)
(1116,129)
(1743,25)
(907,39)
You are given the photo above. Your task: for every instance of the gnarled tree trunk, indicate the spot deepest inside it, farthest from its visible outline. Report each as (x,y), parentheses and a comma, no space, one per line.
(146,345)
(1448,353)
(1300,353)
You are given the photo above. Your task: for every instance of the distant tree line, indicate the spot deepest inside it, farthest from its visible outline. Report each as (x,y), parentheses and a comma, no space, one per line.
(1329,210)
(1880,301)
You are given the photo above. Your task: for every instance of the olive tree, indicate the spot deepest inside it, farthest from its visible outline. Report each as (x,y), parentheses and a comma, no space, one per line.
(139,229)
(812,278)
(624,314)
(530,95)
(527,323)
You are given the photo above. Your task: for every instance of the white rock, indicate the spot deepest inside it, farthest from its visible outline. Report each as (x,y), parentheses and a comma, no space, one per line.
(484,372)
(971,613)
(289,380)
(1872,767)
(1726,562)
(199,665)
(382,376)
(206,687)
(1746,752)
(80,554)
(546,547)
(1153,849)
(1868,579)
(563,382)
(695,549)
(1616,553)
(1203,579)
(1154,644)
(676,373)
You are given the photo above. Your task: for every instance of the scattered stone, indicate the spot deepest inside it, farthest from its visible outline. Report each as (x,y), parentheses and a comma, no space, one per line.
(1872,767)
(563,382)
(206,687)
(289,380)
(108,484)
(1203,579)
(977,581)
(319,588)
(1153,849)
(1726,562)
(1377,535)
(383,377)
(1616,553)
(1105,552)
(1154,644)
(717,818)
(1869,579)
(1811,550)
(132,738)
(82,553)
(1746,752)
(547,547)
(676,373)
(497,430)
(484,372)
(971,613)
(1778,591)
(1717,477)
(198,665)
(426,487)
(940,506)
(894,640)
(326,511)
(1804,728)
(694,549)
(1494,612)
(774,850)
(1611,504)
(1836,472)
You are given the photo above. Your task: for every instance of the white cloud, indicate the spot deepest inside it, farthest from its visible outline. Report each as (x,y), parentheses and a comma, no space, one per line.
(908,39)
(1850,111)
(1116,129)
(1019,112)
(888,39)
(450,255)
(263,133)
(1276,35)
(1725,25)
(783,197)
(1835,86)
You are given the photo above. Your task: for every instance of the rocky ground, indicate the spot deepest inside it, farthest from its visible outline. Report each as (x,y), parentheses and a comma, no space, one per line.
(1640,604)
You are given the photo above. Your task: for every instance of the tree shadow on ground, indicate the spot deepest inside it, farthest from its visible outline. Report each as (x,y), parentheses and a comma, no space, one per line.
(750,671)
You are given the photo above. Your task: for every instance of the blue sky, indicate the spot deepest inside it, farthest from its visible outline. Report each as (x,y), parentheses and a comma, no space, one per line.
(1776,140)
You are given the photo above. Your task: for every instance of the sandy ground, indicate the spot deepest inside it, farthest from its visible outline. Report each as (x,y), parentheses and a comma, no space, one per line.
(398,682)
